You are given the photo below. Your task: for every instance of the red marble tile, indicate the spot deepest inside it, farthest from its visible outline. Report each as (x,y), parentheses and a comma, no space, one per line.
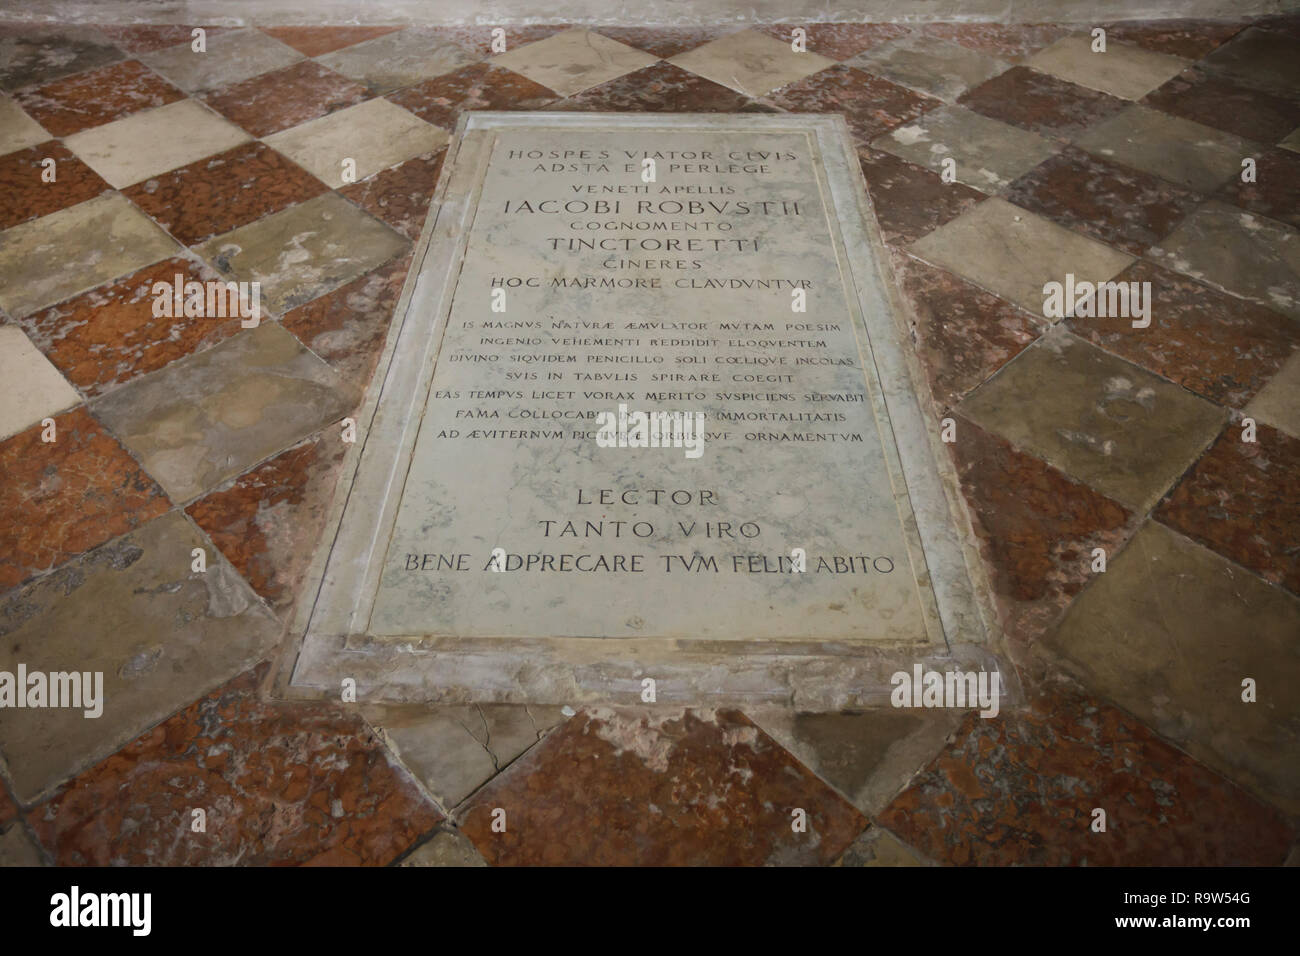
(1276,190)
(400,195)
(145,38)
(1020,788)
(108,336)
(1036,528)
(8,809)
(1121,206)
(839,41)
(347,327)
(315,41)
(962,333)
(222,192)
(1040,103)
(1011,42)
(24,195)
(270,102)
(665,42)
(281,784)
(618,788)
(911,201)
(268,520)
(871,105)
(660,88)
(1219,102)
(1212,343)
(479,86)
(1242,499)
(1192,39)
(91,99)
(64,497)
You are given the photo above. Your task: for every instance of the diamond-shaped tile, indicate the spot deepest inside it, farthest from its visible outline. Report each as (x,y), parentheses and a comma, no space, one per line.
(274,101)
(1178,37)
(400,195)
(400,59)
(660,88)
(372,135)
(1014,42)
(1275,192)
(1122,70)
(573,61)
(92,99)
(1239,252)
(1278,402)
(663,41)
(988,154)
(1099,419)
(839,41)
(177,134)
(315,41)
(33,55)
(1260,58)
(481,86)
(1222,103)
(24,193)
(1014,253)
(938,67)
(31,389)
(229,57)
(751,62)
(1161,633)
(17,129)
(48,259)
(147,37)
(910,201)
(869,104)
(1040,103)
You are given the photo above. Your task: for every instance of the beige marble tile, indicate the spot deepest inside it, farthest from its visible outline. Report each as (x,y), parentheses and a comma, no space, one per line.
(1120,429)
(751,62)
(1013,252)
(17,129)
(1262,59)
(400,59)
(49,259)
(304,251)
(1248,255)
(1278,402)
(133,611)
(989,154)
(375,135)
(17,848)
(153,141)
(30,387)
(879,847)
(1126,71)
(1292,141)
(574,60)
(1169,633)
(1170,147)
(929,64)
(229,58)
(210,416)
(447,847)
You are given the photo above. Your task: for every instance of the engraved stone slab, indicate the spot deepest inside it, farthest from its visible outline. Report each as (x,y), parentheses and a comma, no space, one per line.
(508,534)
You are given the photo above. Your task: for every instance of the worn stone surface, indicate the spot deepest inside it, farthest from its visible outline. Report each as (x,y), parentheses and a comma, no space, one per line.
(1278,402)
(267,520)
(941,68)
(1242,499)
(480,86)
(315,41)
(372,135)
(869,104)
(204,419)
(230,57)
(134,611)
(1123,207)
(35,55)
(65,497)
(1021,788)
(1099,419)
(1189,154)
(304,251)
(573,60)
(1247,255)
(1123,70)
(400,195)
(879,847)
(281,784)
(663,42)
(988,154)
(455,749)
(962,333)
(222,192)
(31,387)
(622,788)
(911,201)
(17,848)
(659,88)
(146,37)
(178,133)
(447,847)
(274,101)
(395,60)
(1014,253)
(49,259)
(1212,343)
(1161,635)
(839,41)
(1261,59)
(1276,190)
(1040,103)
(1013,42)
(1220,102)
(84,100)
(749,62)
(1187,38)
(17,129)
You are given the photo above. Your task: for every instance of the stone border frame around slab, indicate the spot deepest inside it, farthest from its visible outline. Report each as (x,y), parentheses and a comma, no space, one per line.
(809,674)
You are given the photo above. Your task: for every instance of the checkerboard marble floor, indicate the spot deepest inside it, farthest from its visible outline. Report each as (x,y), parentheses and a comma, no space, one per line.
(1073,434)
